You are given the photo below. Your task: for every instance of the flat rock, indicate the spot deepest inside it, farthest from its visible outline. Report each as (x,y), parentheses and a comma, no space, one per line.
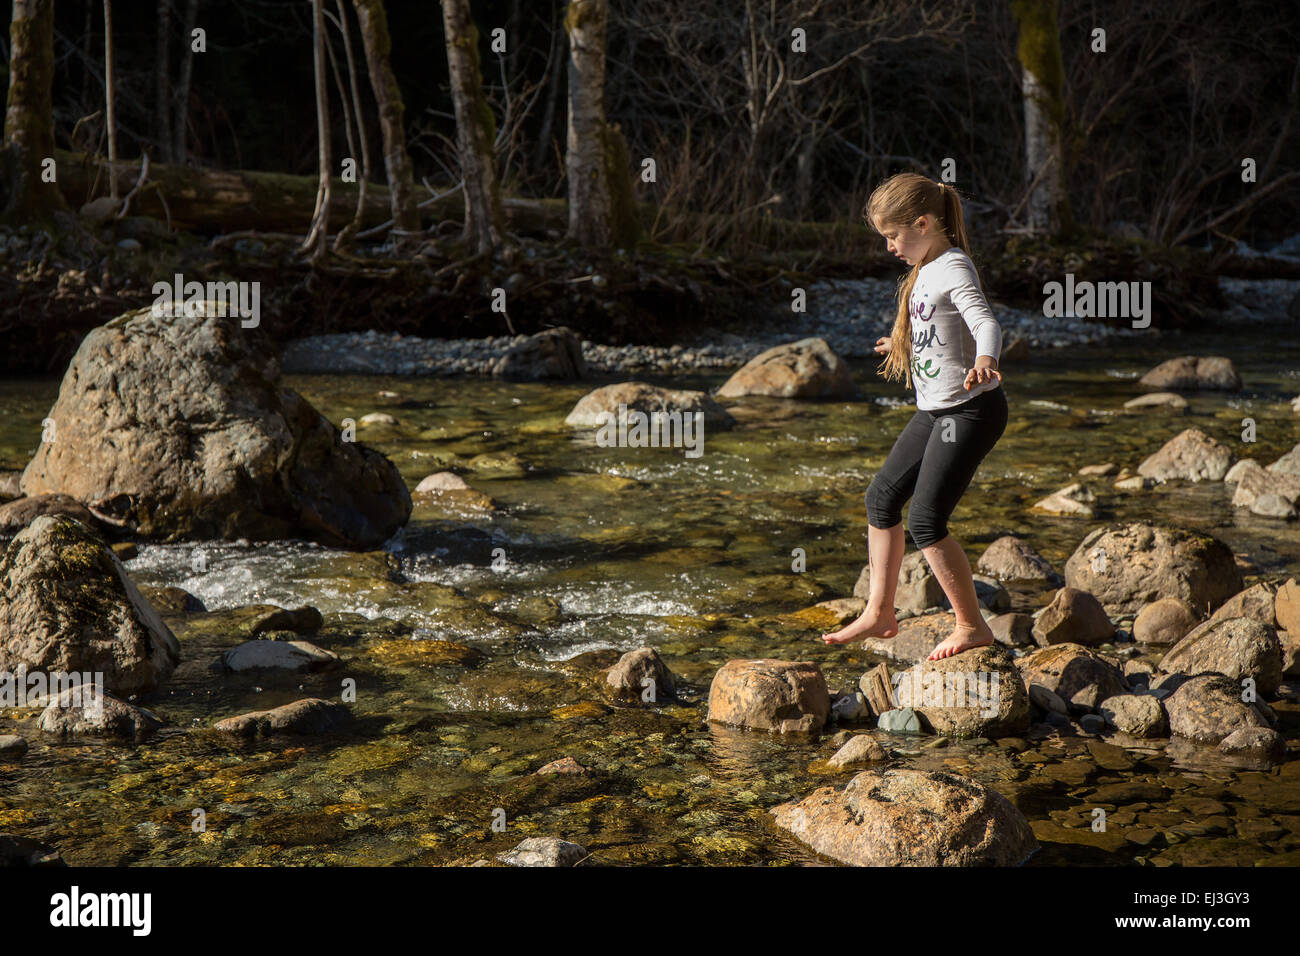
(278,655)
(311,716)
(1170,401)
(565,765)
(910,818)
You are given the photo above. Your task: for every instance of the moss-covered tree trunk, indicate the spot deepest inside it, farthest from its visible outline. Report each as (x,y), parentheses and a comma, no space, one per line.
(602,203)
(29,116)
(475,130)
(388,97)
(1043,92)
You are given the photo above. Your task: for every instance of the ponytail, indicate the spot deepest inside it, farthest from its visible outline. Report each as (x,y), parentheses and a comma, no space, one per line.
(903,199)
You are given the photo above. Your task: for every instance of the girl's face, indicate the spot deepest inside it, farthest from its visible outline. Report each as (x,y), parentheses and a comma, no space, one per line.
(909,243)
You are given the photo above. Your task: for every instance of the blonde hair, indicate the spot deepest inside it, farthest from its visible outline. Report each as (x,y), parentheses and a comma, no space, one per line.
(899,201)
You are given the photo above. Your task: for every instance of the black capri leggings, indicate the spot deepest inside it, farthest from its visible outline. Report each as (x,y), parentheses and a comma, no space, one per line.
(932,462)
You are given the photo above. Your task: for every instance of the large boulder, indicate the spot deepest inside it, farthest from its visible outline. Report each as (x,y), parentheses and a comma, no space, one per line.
(1079,676)
(1010,559)
(1191,455)
(1073,617)
(975,694)
(594,408)
(68,606)
(1192,372)
(1207,708)
(910,818)
(785,696)
(1236,647)
(178,427)
(804,369)
(551,354)
(1128,566)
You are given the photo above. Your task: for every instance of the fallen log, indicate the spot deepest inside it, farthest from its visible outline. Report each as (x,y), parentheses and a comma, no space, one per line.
(214,201)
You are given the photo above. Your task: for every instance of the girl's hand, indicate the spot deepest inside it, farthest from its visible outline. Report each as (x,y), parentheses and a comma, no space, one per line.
(882,346)
(979,375)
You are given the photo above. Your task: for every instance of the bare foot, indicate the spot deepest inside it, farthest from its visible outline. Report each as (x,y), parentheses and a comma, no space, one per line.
(869,624)
(964,637)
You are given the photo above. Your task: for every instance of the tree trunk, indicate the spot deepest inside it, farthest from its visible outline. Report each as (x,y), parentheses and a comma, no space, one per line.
(320,220)
(180,125)
(388,97)
(363,183)
(29,115)
(602,207)
(110,97)
(543,148)
(162,114)
(475,130)
(1043,91)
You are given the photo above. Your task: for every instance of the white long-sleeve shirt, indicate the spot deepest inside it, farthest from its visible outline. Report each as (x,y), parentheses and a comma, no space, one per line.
(951,325)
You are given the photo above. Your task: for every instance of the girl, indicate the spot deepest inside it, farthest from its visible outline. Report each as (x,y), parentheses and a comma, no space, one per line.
(945,341)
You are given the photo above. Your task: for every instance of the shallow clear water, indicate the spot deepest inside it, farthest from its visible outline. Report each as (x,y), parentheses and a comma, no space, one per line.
(593,551)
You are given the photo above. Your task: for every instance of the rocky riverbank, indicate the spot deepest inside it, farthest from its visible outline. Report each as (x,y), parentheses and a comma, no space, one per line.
(850,314)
